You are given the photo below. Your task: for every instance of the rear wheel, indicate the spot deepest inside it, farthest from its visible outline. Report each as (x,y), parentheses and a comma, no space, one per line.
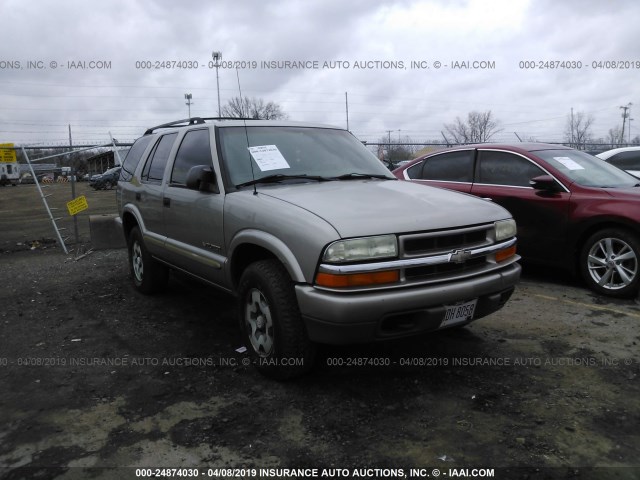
(148,275)
(610,262)
(271,322)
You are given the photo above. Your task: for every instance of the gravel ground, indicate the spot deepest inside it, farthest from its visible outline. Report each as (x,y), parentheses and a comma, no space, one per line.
(96,376)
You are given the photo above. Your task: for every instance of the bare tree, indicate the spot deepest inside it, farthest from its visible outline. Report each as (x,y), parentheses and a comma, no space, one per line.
(396,149)
(578,131)
(614,135)
(479,128)
(254,108)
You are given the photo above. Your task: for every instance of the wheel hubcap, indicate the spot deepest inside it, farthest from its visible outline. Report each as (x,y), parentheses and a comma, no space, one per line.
(259,323)
(136,259)
(612,263)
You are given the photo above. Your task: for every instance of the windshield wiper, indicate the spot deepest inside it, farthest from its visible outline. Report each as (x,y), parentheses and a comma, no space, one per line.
(279,177)
(360,176)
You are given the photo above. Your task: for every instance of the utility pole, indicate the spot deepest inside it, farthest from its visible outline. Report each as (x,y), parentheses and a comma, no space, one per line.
(572,127)
(217,56)
(625,115)
(346,104)
(73,190)
(188,97)
(389,145)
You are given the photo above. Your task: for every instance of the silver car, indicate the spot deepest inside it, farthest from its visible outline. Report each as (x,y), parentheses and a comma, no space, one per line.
(625,158)
(315,237)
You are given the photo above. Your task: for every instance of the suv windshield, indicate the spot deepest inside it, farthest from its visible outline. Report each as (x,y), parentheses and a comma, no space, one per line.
(587,170)
(256,152)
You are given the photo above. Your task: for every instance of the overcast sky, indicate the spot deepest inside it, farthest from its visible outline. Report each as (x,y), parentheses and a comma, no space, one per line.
(375,41)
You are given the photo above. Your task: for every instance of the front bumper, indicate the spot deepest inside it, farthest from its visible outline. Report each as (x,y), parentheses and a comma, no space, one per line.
(344,318)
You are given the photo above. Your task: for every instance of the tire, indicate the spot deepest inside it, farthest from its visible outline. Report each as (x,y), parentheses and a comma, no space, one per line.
(610,262)
(149,276)
(271,323)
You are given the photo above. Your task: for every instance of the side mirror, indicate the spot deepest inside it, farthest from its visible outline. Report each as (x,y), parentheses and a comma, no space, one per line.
(201,177)
(545,183)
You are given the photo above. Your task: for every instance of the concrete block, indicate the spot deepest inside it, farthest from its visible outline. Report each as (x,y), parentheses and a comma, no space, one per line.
(105,232)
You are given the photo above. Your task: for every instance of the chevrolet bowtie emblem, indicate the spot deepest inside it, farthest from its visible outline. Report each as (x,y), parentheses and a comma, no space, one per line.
(459,256)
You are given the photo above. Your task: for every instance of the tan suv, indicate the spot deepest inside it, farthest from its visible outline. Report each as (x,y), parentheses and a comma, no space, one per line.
(315,237)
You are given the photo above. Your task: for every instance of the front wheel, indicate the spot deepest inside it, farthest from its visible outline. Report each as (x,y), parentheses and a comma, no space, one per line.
(149,276)
(271,323)
(610,261)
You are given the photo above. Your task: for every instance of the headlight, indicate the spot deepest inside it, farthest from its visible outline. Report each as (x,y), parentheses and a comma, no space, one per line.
(357,249)
(505,229)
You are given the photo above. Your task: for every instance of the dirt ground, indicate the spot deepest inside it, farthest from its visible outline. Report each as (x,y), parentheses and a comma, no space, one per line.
(25,221)
(95,376)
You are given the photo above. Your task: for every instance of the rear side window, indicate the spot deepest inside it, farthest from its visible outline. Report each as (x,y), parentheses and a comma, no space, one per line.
(415,172)
(503,168)
(157,161)
(133,157)
(626,160)
(194,150)
(449,167)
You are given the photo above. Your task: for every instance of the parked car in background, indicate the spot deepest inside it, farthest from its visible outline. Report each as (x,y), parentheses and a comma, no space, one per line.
(9,174)
(106,180)
(392,165)
(27,178)
(625,158)
(572,210)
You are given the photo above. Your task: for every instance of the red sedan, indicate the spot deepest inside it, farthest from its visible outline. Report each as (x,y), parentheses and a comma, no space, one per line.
(573,210)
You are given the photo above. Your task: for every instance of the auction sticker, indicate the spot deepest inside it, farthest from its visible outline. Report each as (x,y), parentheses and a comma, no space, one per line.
(268,157)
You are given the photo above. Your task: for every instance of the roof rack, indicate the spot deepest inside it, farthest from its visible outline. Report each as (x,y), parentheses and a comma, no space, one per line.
(192,121)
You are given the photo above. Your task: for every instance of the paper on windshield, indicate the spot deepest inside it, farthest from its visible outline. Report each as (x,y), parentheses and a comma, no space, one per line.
(268,157)
(569,163)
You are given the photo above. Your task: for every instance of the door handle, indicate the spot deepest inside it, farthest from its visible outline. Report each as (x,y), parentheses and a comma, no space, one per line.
(166,202)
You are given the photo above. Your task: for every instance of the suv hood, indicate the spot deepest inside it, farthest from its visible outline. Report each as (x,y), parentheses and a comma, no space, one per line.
(354,207)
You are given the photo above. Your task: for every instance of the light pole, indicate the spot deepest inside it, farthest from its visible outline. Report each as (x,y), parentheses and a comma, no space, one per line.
(625,114)
(188,98)
(217,56)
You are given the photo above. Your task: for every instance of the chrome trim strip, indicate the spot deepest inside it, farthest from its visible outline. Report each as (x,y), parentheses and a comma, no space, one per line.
(425,282)
(209,259)
(413,262)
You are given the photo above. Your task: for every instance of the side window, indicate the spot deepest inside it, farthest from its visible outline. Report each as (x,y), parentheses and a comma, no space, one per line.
(194,150)
(133,157)
(450,167)
(502,168)
(415,172)
(157,161)
(626,160)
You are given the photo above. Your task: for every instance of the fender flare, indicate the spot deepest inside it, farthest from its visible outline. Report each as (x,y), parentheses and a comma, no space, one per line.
(274,245)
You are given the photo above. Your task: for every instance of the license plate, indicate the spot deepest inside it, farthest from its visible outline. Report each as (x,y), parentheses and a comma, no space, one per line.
(459,313)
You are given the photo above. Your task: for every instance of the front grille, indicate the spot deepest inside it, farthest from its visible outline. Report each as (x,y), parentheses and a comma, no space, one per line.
(443,269)
(419,245)
(445,241)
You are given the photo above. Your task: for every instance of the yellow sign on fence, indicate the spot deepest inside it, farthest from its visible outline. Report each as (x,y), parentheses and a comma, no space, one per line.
(7,154)
(77,205)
